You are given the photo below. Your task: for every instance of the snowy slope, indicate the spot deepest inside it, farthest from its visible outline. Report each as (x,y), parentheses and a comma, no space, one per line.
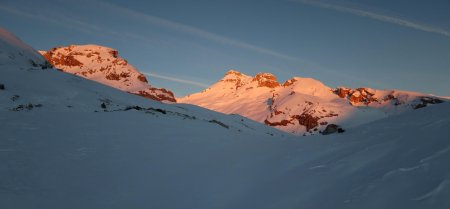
(103,64)
(66,151)
(13,51)
(126,160)
(303,105)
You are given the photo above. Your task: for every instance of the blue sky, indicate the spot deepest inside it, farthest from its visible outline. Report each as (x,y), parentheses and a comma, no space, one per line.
(187,45)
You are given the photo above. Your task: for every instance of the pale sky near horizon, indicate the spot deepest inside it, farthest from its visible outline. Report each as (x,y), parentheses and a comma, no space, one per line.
(185,46)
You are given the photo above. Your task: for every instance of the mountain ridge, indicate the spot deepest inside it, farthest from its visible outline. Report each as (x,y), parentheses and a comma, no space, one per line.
(304,106)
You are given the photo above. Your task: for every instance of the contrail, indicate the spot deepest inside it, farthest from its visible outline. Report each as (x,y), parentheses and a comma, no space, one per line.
(179,80)
(149,19)
(195,31)
(379,17)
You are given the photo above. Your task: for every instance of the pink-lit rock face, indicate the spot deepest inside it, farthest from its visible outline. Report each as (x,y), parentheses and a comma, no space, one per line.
(356,96)
(367,96)
(266,80)
(103,64)
(234,77)
(303,105)
(61,59)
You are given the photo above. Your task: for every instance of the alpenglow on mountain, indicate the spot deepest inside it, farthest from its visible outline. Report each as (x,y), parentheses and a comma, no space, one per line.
(301,106)
(69,142)
(304,106)
(103,64)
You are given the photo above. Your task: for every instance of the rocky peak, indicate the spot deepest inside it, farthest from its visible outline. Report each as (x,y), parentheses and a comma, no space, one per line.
(233,76)
(266,80)
(233,72)
(236,78)
(103,64)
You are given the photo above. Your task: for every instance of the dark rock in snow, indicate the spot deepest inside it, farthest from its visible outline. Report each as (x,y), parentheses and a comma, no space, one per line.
(332,128)
(425,101)
(219,123)
(28,106)
(15,97)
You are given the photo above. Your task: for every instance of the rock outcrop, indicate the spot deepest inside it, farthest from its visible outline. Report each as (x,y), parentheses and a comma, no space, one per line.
(332,128)
(103,64)
(266,80)
(367,96)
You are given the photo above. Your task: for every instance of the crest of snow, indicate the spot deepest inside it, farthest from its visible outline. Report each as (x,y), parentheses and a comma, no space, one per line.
(13,50)
(312,87)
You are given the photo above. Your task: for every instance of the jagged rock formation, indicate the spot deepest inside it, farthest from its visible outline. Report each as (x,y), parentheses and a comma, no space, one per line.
(103,64)
(266,80)
(367,96)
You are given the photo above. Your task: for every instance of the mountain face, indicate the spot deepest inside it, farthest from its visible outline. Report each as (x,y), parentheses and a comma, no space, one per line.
(30,85)
(304,106)
(103,64)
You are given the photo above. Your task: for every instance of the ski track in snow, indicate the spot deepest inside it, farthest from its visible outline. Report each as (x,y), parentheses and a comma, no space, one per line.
(436,155)
(435,192)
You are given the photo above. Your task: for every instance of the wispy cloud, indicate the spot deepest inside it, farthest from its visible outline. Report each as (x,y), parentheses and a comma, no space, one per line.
(179,80)
(149,19)
(77,23)
(59,19)
(379,17)
(30,15)
(194,31)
